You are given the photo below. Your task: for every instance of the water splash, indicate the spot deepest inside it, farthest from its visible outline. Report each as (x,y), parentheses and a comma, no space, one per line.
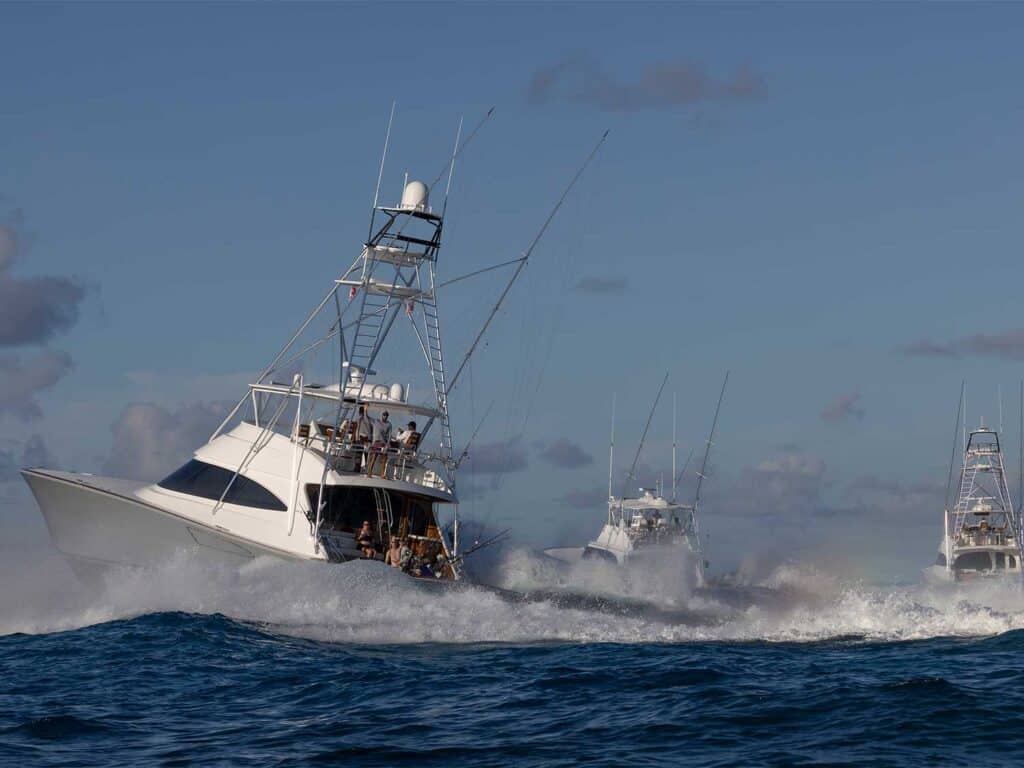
(366,602)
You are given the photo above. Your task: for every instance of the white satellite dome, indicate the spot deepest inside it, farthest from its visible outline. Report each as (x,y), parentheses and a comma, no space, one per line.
(414,198)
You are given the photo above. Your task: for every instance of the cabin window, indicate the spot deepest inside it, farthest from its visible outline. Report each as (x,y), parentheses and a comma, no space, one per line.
(347,506)
(973,561)
(941,559)
(1012,561)
(197,478)
(1000,561)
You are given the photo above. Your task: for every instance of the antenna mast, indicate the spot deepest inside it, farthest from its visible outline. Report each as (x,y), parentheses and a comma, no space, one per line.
(451,168)
(380,173)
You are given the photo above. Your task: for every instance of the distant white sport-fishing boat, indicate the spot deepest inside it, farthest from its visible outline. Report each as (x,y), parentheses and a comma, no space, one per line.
(981,532)
(649,525)
(305,469)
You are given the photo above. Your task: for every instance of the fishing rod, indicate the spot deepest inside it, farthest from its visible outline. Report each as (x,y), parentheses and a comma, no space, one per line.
(480,545)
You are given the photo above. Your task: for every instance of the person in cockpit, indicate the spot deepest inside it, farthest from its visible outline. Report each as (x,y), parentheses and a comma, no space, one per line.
(365,540)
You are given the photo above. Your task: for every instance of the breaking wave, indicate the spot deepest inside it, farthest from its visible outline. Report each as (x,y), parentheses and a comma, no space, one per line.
(537,602)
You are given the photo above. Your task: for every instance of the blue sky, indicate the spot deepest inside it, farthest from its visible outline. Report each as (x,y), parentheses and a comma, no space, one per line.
(207,169)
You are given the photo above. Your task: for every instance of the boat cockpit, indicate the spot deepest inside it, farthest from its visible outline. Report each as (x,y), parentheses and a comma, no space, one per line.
(397,528)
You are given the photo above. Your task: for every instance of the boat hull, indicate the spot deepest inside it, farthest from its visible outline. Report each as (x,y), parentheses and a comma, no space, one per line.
(99,527)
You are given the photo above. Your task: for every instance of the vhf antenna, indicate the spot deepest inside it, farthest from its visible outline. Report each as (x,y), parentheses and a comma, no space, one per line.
(380,173)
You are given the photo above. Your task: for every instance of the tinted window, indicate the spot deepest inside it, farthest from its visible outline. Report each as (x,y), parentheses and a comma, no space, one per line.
(347,506)
(974,561)
(197,478)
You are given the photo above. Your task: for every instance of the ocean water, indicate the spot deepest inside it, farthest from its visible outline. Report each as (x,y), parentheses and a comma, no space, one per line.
(284,664)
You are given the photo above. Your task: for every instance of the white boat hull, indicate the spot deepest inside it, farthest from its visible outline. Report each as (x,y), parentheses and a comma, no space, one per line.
(97,527)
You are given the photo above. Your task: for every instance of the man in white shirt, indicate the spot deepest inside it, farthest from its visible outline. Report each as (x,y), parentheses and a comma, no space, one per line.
(381,442)
(405,434)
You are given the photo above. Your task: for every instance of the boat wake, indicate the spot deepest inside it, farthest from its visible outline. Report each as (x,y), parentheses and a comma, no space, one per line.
(366,602)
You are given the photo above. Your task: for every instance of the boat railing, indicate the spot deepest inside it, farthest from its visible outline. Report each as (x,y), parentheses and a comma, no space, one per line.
(393,461)
(985,539)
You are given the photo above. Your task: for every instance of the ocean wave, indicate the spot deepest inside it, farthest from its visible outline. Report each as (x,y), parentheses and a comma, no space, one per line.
(365,602)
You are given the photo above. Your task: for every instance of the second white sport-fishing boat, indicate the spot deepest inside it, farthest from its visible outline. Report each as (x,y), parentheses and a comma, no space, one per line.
(649,525)
(308,469)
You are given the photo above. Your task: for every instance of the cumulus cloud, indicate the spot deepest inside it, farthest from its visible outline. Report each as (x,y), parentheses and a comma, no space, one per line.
(662,85)
(33,453)
(1008,345)
(604,286)
(498,457)
(787,487)
(32,309)
(150,441)
(872,493)
(21,380)
(565,454)
(843,408)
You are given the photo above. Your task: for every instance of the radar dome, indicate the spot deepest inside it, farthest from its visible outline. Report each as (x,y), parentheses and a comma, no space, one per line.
(414,198)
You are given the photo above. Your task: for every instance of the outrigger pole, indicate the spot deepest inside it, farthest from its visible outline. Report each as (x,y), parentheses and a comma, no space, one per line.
(711,439)
(686,465)
(611,449)
(631,475)
(1020,460)
(946,548)
(522,261)
(952,453)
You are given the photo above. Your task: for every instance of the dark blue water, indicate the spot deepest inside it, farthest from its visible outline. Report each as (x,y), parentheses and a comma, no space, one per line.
(290,680)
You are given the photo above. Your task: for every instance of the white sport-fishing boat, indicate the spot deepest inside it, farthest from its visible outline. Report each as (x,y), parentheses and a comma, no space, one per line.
(981,532)
(649,525)
(295,471)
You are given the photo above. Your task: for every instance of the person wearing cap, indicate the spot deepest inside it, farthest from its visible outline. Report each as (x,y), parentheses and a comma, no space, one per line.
(405,434)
